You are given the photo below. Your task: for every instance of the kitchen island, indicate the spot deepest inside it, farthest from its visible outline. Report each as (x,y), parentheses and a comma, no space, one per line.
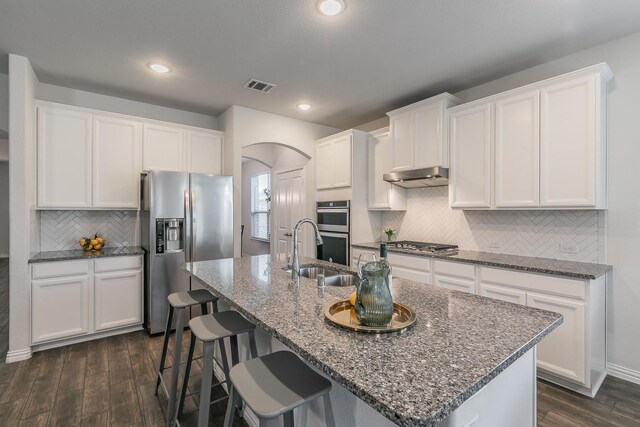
(468,359)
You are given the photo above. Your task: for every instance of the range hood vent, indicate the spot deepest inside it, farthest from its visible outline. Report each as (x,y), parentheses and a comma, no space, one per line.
(435,176)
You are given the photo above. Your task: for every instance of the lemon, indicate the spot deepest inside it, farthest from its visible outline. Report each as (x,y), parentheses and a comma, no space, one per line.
(352,298)
(82,242)
(94,242)
(100,240)
(97,247)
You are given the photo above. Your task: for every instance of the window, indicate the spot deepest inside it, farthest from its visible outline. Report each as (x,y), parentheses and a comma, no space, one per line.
(261,207)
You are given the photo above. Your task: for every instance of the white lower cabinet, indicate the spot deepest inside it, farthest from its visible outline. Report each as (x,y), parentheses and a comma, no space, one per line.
(562,352)
(454,276)
(74,298)
(118,298)
(409,267)
(503,293)
(60,308)
(573,354)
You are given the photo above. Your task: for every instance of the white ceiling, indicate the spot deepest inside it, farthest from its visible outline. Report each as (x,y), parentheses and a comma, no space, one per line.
(376,56)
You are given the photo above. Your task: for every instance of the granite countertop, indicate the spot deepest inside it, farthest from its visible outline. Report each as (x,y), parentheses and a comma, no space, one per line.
(49,256)
(554,267)
(458,344)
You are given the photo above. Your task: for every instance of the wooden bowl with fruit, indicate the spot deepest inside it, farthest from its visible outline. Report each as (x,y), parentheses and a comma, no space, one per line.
(93,244)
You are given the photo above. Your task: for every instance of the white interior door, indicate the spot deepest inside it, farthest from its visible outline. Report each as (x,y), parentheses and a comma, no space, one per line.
(289,208)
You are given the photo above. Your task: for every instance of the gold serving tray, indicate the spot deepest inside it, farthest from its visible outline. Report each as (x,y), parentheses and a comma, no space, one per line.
(339,313)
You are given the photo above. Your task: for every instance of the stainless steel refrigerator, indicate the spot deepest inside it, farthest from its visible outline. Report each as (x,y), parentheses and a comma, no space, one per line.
(184,217)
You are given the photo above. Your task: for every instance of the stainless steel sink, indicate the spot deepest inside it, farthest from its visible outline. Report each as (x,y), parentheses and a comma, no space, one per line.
(312,272)
(341,280)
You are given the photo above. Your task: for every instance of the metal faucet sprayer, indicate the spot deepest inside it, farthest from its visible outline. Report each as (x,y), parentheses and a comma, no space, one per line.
(295,262)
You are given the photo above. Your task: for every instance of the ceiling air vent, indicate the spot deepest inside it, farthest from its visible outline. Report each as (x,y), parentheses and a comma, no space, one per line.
(259,85)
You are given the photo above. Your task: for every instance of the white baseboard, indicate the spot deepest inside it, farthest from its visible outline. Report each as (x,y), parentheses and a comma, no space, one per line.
(18,355)
(83,338)
(623,373)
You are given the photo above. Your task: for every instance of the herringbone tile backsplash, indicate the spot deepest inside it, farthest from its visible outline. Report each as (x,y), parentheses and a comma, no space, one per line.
(546,234)
(61,230)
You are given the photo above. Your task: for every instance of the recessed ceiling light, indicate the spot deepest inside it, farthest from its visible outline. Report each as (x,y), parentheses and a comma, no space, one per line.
(304,107)
(331,7)
(159,68)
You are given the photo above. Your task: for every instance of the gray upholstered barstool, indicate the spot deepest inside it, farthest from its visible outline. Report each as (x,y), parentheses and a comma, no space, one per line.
(178,303)
(275,385)
(210,329)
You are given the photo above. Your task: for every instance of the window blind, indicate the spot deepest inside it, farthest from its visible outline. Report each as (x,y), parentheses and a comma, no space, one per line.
(260,207)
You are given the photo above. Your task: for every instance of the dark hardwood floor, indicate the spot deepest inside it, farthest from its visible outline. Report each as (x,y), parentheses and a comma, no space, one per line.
(110,382)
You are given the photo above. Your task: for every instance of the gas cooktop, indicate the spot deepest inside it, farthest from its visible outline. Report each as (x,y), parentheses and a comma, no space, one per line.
(434,248)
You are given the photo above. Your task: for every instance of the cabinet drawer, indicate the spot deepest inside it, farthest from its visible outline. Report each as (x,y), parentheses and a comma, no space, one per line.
(412,262)
(465,271)
(118,263)
(455,283)
(59,269)
(536,282)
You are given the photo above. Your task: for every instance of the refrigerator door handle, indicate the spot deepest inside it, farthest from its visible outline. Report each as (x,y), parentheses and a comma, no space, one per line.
(193,225)
(187,227)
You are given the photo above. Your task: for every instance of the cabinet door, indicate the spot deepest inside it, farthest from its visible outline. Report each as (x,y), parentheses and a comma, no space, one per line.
(562,352)
(401,134)
(455,283)
(517,148)
(64,158)
(470,173)
(204,153)
(117,162)
(427,136)
(324,165)
(162,148)
(342,162)
(59,308)
(118,299)
(568,144)
(503,293)
(383,195)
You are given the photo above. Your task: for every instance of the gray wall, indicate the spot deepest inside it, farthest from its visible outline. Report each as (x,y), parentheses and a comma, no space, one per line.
(4,209)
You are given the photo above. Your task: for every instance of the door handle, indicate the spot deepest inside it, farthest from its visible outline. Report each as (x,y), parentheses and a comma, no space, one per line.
(187,227)
(288,234)
(193,225)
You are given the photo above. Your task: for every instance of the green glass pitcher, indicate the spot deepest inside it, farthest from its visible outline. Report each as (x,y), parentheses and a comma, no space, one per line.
(374,305)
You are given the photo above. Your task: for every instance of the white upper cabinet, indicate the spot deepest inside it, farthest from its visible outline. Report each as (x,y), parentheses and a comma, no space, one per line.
(517,145)
(569,144)
(64,158)
(547,141)
(204,152)
(383,195)
(92,159)
(333,162)
(470,173)
(163,148)
(418,134)
(117,162)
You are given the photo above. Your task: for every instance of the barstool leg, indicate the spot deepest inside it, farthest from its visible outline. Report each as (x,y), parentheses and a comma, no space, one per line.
(175,367)
(205,387)
(187,372)
(234,400)
(328,411)
(252,344)
(235,359)
(165,345)
(288,419)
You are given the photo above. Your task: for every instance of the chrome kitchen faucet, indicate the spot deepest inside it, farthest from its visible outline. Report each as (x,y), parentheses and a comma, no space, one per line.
(295,262)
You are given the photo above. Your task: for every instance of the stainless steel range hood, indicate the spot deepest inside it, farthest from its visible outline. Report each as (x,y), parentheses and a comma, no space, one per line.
(435,176)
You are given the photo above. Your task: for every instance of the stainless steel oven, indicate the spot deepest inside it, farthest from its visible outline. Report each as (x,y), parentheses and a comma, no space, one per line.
(333,222)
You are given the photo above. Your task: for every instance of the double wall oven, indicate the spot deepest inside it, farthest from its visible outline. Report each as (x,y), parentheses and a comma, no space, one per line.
(333,221)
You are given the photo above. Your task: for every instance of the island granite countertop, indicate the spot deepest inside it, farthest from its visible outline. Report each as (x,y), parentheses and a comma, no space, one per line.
(459,343)
(554,267)
(70,255)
